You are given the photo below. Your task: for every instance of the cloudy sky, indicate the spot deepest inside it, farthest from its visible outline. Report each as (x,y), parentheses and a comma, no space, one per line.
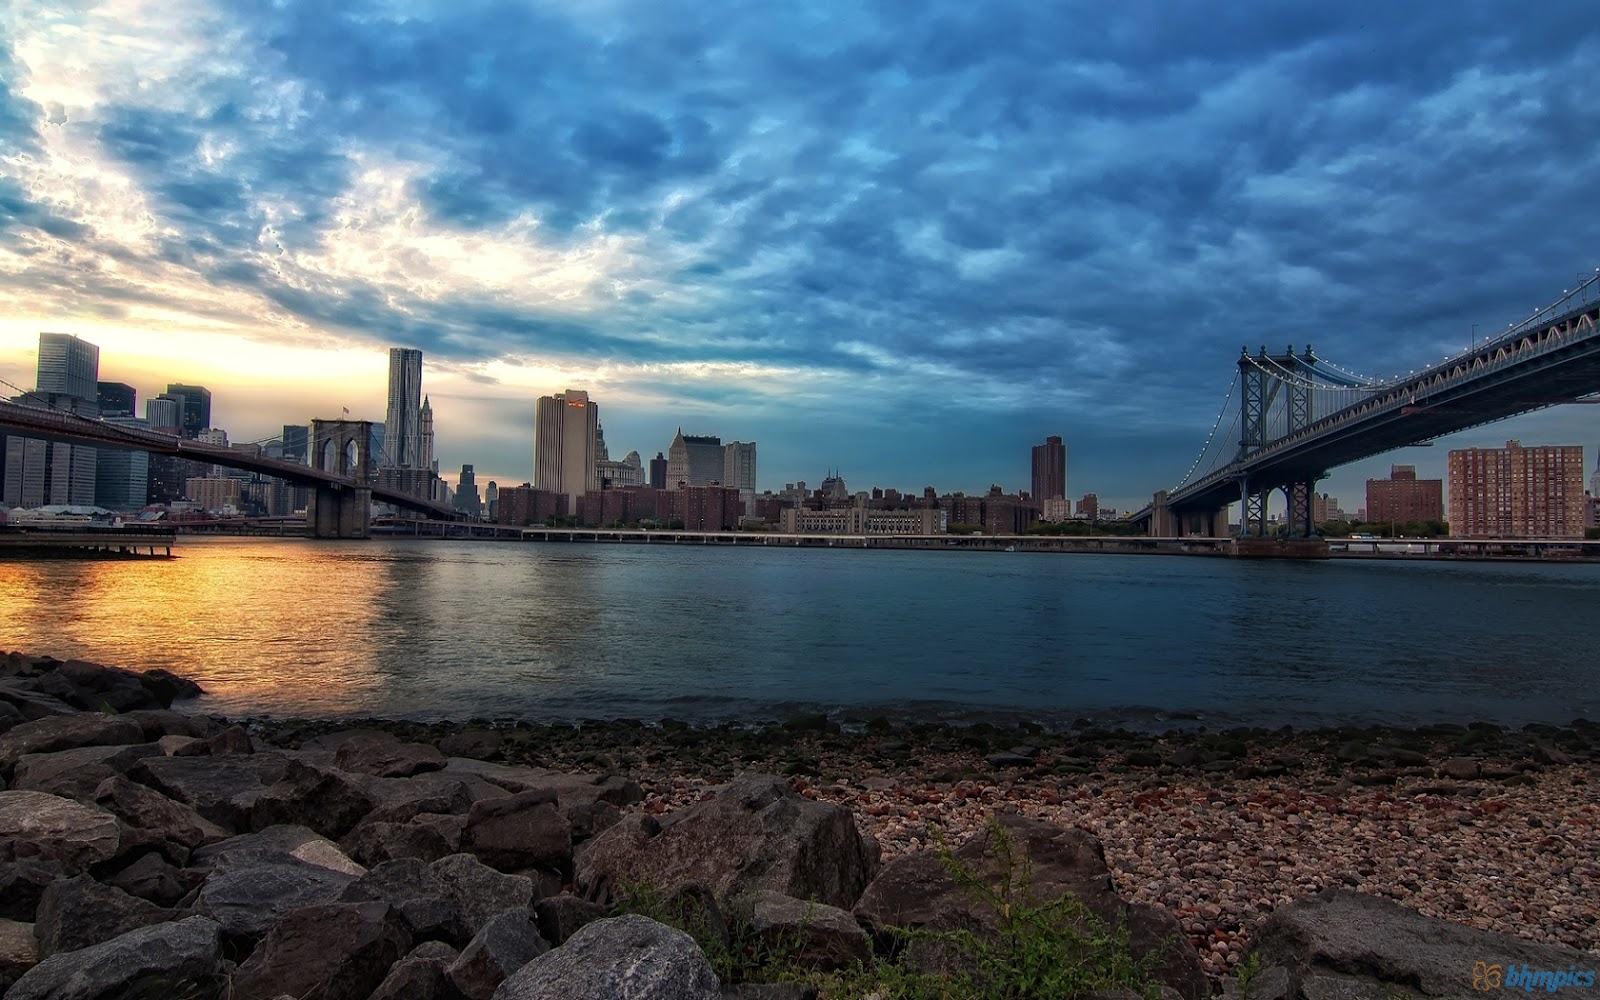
(905,239)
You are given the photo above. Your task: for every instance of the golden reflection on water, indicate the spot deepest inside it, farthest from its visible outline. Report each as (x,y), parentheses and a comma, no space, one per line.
(201,614)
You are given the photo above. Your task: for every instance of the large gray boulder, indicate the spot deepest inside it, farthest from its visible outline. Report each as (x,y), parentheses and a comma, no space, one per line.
(479,892)
(151,820)
(425,901)
(320,796)
(297,841)
(519,831)
(338,951)
(19,951)
(75,774)
(505,944)
(426,837)
(22,885)
(65,732)
(53,829)
(79,912)
(810,935)
(1345,943)
(624,958)
(421,975)
(248,892)
(384,756)
(222,789)
(919,892)
(94,687)
(756,834)
(163,960)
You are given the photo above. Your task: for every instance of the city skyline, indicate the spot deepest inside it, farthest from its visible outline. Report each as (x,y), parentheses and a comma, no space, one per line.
(909,250)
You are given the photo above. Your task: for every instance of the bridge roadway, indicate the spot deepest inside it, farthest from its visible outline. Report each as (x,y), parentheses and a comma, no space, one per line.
(1556,361)
(26,421)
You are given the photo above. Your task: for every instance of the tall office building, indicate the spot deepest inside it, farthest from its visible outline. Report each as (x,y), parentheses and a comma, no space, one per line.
(1403,498)
(564,429)
(194,407)
(297,443)
(739,465)
(1049,470)
(122,478)
(68,366)
(425,437)
(1516,492)
(115,398)
(467,501)
(164,413)
(402,426)
(658,472)
(695,460)
(1594,481)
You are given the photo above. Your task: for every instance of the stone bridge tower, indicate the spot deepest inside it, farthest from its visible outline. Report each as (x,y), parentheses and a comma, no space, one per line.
(344,448)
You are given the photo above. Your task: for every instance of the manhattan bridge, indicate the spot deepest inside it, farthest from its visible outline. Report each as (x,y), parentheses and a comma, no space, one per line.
(1295,416)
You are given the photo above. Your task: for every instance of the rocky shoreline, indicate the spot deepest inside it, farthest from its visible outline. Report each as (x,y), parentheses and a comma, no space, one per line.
(120,817)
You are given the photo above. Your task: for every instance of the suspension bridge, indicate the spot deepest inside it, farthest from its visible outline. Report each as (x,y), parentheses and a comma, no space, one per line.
(339,477)
(1298,415)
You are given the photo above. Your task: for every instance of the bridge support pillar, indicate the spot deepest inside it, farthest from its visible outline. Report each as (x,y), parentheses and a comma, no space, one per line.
(343,447)
(1252,511)
(337,512)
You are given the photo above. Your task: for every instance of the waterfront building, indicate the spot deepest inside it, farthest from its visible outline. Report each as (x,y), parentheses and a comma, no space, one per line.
(565,428)
(402,422)
(862,521)
(115,398)
(1089,507)
(1057,509)
(122,477)
(520,505)
(695,460)
(1516,492)
(1591,513)
(167,475)
(704,508)
(194,407)
(739,465)
(1050,469)
(833,487)
(658,472)
(214,494)
(34,472)
(491,501)
(467,501)
(1403,498)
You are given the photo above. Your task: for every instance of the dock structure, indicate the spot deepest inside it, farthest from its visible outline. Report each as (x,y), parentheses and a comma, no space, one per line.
(89,543)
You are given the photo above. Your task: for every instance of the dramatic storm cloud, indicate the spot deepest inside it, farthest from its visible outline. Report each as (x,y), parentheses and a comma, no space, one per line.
(905,239)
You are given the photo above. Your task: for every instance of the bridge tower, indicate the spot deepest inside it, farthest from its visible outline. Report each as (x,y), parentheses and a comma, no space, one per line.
(1275,401)
(344,448)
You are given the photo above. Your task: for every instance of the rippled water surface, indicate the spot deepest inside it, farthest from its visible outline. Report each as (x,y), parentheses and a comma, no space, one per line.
(426,629)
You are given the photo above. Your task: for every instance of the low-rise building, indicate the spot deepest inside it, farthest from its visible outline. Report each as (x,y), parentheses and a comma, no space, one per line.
(863,521)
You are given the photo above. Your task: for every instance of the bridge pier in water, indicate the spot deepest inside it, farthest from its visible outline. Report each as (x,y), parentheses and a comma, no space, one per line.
(342,447)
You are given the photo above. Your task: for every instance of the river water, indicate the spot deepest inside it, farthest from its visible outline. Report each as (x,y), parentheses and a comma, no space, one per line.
(429,629)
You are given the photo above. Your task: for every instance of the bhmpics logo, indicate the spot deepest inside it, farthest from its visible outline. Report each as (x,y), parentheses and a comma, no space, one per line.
(1491,976)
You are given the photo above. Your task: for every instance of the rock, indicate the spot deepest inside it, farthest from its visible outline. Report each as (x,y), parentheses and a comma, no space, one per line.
(168,687)
(51,828)
(427,840)
(810,935)
(423,900)
(74,774)
(161,960)
(10,717)
(22,885)
(32,704)
(229,742)
(387,757)
(297,841)
(248,892)
(559,917)
(475,744)
(421,975)
(1459,768)
(154,879)
(78,912)
(97,688)
(1351,751)
(159,724)
(224,790)
(65,732)
(184,746)
(1388,948)
(568,789)
(917,891)
(151,820)
(505,944)
(479,892)
(756,834)
(623,958)
(323,798)
(1007,759)
(336,951)
(19,951)
(524,830)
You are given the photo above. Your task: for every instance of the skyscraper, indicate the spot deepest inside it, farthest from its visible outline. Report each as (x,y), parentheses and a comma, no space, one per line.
(564,429)
(402,426)
(425,437)
(1049,470)
(658,472)
(1516,492)
(695,460)
(115,397)
(739,465)
(68,365)
(297,443)
(164,413)
(194,407)
(122,478)
(467,501)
